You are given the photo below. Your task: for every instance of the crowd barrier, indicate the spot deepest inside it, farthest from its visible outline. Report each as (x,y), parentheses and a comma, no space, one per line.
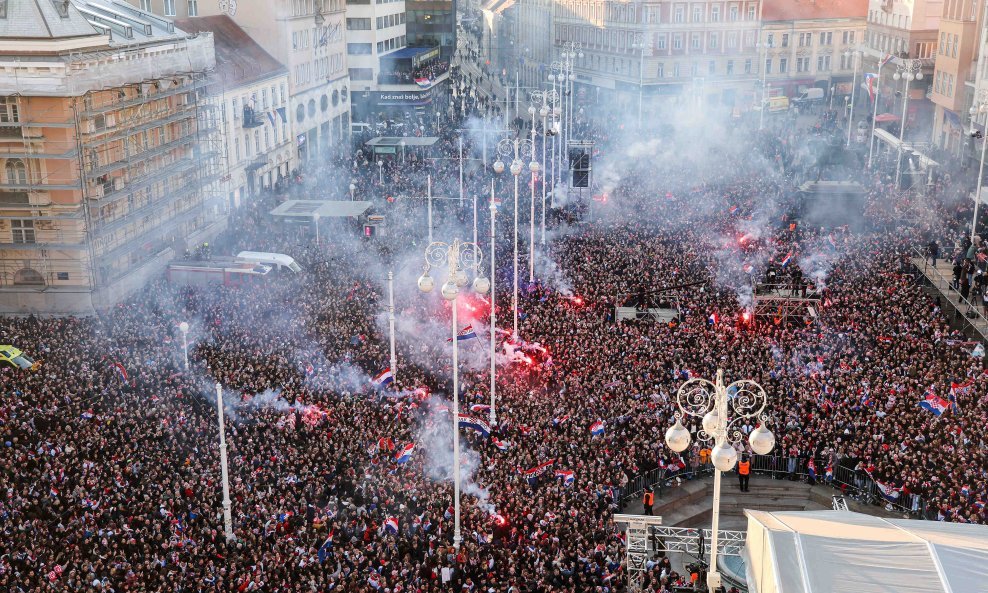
(858,485)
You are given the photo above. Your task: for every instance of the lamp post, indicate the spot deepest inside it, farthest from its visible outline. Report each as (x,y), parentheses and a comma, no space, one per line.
(380,171)
(428,182)
(184,328)
(455,257)
(874,112)
(534,167)
(493,209)
(315,221)
(855,57)
(224,470)
(761,111)
(548,99)
(461,173)
(908,71)
(521,148)
(401,143)
(352,189)
(391,325)
(980,106)
(720,407)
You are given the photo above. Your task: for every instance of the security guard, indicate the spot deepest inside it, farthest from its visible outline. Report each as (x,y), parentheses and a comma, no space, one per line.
(744,471)
(648,499)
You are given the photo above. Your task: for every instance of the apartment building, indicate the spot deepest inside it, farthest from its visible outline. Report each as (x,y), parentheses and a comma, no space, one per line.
(660,52)
(247,99)
(392,81)
(955,70)
(808,43)
(307,37)
(106,154)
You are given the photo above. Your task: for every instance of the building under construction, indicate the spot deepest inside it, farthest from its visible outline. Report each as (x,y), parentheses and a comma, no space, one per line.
(110,167)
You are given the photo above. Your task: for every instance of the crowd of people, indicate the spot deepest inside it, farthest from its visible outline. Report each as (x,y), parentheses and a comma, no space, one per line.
(111,477)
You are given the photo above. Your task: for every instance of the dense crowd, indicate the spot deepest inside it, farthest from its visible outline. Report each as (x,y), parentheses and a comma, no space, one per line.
(110,477)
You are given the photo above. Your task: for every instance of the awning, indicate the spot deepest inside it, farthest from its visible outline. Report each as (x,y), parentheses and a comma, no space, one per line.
(886,117)
(324,208)
(845,552)
(496,6)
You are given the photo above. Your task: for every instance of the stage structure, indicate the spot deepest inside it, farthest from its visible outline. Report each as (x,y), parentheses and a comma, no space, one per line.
(780,304)
(662,304)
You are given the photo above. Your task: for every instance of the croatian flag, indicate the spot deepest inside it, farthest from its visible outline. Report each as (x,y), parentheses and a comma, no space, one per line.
(532,474)
(567,476)
(785,261)
(502,445)
(120,370)
(934,403)
(888,491)
(733,209)
(405,454)
(87,415)
(391,525)
(871,80)
(423,82)
(480,408)
(475,424)
(811,468)
(597,428)
(887,59)
(323,552)
(829,472)
(467,333)
(965,491)
(832,241)
(383,378)
(560,420)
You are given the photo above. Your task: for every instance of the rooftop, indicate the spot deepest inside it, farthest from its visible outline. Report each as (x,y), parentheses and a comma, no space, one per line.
(239,59)
(800,10)
(44,19)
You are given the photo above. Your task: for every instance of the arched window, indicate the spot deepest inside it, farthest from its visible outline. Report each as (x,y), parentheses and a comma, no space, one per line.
(16,172)
(28,277)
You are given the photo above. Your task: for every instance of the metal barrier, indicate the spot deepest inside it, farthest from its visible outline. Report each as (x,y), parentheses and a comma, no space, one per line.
(946,287)
(855,484)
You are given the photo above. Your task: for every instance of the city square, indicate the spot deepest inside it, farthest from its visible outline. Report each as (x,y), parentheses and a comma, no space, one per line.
(502,297)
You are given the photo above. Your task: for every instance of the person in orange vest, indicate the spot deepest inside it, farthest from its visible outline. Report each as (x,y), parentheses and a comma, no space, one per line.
(744,471)
(648,499)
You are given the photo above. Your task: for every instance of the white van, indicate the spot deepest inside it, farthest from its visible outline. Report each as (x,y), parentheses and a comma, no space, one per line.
(278,260)
(810,95)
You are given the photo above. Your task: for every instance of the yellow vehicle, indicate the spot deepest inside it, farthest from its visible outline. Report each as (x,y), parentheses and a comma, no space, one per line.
(776,104)
(17,359)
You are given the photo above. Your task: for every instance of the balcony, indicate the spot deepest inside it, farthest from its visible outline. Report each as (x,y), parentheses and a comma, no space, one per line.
(252,119)
(10,132)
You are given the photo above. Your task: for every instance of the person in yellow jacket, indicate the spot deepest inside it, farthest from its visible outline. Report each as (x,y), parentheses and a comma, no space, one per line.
(648,499)
(744,471)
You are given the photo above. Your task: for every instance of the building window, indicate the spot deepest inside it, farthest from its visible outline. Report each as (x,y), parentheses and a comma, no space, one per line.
(768,66)
(826,37)
(747,66)
(23,231)
(360,49)
(358,24)
(714,40)
(730,67)
(697,14)
(8,110)
(662,42)
(712,68)
(802,64)
(675,70)
(169,7)
(733,13)
(27,276)
(677,41)
(785,40)
(732,40)
(715,13)
(62,275)
(783,65)
(770,40)
(146,5)
(679,15)
(16,172)
(661,71)
(695,41)
(193,8)
(823,64)
(751,12)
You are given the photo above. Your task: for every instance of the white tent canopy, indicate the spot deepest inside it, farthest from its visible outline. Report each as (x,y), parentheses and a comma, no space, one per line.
(844,552)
